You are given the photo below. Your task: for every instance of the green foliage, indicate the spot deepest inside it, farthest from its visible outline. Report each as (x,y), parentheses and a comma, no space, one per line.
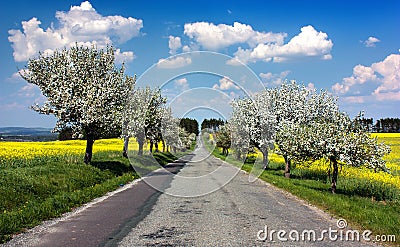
(212,123)
(190,125)
(389,125)
(223,137)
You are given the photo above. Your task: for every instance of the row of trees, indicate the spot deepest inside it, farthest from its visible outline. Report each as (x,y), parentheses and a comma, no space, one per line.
(387,125)
(92,98)
(302,124)
(190,125)
(212,123)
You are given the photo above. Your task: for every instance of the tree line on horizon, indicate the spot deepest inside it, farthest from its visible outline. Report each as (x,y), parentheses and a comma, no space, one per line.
(383,125)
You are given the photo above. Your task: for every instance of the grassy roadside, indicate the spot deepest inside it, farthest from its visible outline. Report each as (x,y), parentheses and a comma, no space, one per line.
(51,187)
(362,212)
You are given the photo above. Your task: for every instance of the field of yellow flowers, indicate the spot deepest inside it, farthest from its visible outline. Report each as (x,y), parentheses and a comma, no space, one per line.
(320,168)
(392,162)
(10,152)
(22,152)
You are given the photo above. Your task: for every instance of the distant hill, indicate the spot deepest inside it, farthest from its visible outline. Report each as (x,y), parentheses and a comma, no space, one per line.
(26,134)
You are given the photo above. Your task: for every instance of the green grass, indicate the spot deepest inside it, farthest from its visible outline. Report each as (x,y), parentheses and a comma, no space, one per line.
(358,201)
(47,188)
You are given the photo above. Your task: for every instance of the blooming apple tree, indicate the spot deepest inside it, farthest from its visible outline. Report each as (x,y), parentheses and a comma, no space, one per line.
(342,141)
(83,89)
(142,118)
(223,138)
(305,125)
(170,130)
(254,123)
(289,103)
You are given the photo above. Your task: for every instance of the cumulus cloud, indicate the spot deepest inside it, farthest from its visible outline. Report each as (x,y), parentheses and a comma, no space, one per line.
(29,90)
(361,74)
(81,24)
(271,79)
(215,37)
(12,106)
(225,83)
(311,87)
(182,84)
(383,77)
(17,76)
(125,56)
(259,46)
(309,42)
(174,44)
(371,42)
(174,62)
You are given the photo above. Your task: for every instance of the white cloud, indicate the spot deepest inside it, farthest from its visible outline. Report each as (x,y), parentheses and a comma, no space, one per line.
(327,57)
(371,42)
(263,46)
(125,56)
(225,83)
(215,37)
(392,96)
(182,84)
(309,42)
(383,76)
(361,74)
(174,62)
(174,44)
(29,90)
(186,48)
(81,24)
(389,69)
(16,76)
(311,86)
(181,81)
(274,79)
(355,99)
(12,106)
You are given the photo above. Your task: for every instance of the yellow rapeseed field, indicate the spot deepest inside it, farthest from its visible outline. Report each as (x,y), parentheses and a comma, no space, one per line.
(392,162)
(29,150)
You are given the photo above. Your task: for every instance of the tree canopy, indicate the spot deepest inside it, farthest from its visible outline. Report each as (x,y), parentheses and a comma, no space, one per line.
(83,89)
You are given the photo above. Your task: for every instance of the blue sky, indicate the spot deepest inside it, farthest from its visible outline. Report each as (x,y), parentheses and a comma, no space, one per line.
(350,48)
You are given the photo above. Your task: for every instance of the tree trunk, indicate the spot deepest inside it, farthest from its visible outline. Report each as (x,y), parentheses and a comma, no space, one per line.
(125,151)
(237,155)
(334,174)
(141,143)
(151,146)
(174,149)
(163,146)
(156,146)
(89,148)
(265,157)
(287,166)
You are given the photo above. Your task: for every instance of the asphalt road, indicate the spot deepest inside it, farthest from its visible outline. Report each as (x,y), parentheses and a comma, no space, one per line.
(237,213)
(208,203)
